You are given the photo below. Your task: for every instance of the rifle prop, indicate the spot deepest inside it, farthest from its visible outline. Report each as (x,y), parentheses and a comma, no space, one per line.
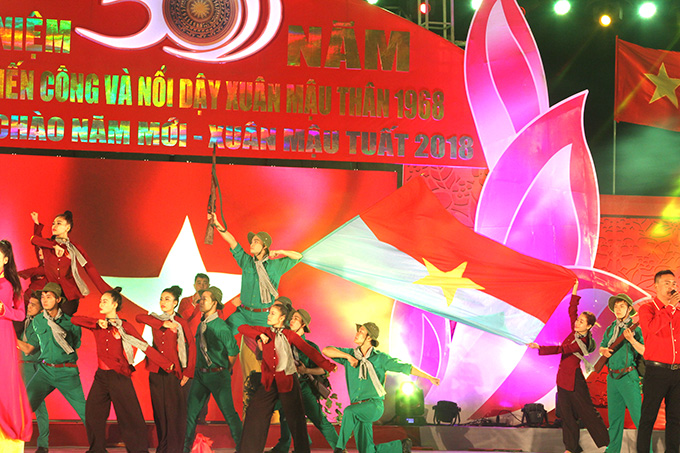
(615,346)
(212,200)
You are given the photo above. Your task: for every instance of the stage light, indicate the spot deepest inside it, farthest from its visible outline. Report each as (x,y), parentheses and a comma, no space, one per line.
(475,4)
(407,388)
(424,8)
(446,412)
(562,7)
(647,10)
(534,415)
(608,13)
(372,2)
(409,404)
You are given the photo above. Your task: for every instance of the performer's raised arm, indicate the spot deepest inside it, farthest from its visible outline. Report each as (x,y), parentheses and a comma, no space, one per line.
(226,235)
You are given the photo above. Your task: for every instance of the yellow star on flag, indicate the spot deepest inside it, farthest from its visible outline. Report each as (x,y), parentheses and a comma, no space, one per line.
(665,86)
(449,281)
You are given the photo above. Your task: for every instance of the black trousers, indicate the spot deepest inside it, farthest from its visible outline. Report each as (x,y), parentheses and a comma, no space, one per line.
(259,414)
(169,411)
(575,405)
(110,387)
(658,384)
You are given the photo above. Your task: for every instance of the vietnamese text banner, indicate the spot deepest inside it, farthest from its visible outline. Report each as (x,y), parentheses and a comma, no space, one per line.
(339,81)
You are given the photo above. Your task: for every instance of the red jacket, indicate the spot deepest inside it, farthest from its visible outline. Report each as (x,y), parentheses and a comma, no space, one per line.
(569,363)
(165,342)
(661,330)
(110,350)
(58,269)
(284,382)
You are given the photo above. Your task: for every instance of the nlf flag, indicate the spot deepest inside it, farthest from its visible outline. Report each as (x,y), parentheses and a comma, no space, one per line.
(408,247)
(647,82)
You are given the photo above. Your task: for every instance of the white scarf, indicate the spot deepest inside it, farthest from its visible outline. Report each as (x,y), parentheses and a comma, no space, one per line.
(128,340)
(367,368)
(58,332)
(181,346)
(619,327)
(584,351)
(76,258)
(27,322)
(267,289)
(201,340)
(286,361)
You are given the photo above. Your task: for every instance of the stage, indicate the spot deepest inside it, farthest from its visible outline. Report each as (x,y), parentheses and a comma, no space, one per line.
(71,437)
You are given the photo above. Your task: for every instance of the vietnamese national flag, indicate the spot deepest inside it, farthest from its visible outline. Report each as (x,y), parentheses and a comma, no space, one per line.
(647,82)
(408,247)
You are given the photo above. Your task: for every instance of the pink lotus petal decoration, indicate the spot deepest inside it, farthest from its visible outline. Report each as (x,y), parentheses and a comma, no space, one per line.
(540,198)
(538,204)
(504,76)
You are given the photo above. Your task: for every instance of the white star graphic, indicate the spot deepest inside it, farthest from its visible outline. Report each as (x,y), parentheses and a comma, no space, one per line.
(181,265)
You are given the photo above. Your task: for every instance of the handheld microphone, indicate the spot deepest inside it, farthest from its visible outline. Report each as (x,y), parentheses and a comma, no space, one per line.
(673,292)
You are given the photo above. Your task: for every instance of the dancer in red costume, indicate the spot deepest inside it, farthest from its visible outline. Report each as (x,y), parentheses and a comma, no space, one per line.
(64,261)
(15,413)
(116,339)
(172,338)
(572,392)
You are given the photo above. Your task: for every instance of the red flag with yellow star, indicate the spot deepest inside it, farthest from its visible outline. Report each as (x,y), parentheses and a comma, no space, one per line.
(407,246)
(647,86)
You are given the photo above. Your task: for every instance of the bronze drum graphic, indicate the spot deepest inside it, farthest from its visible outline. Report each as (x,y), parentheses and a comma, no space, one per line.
(211,31)
(201,22)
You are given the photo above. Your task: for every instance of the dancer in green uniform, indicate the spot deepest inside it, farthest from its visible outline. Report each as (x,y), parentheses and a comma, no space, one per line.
(260,278)
(57,338)
(623,381)
(299,323)
(365,369)
(29,362)
(216,352)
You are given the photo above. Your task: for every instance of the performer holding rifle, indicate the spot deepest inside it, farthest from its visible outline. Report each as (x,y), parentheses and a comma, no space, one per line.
(621,346)
(262,271)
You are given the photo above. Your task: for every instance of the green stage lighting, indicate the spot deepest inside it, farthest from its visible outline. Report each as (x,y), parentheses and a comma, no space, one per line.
(562,7)
(475,4)
(409,404)
(647,10)
(407,388)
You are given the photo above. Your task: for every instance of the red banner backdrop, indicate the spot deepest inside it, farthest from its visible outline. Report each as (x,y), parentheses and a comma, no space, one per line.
(128,216)
(340,81)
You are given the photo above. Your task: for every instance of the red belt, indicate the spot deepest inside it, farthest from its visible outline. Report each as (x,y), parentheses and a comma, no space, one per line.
(60,365)
(255,310)
(616,373)
(359,402)
(211,370)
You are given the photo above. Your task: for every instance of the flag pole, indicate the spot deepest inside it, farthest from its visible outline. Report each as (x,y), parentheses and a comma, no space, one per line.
(614,163)
(616,71)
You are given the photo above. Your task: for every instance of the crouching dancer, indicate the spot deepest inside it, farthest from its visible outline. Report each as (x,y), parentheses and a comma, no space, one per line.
(365,377)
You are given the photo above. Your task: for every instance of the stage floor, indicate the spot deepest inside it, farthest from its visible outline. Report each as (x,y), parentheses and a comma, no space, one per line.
(217,450)
(71,437)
